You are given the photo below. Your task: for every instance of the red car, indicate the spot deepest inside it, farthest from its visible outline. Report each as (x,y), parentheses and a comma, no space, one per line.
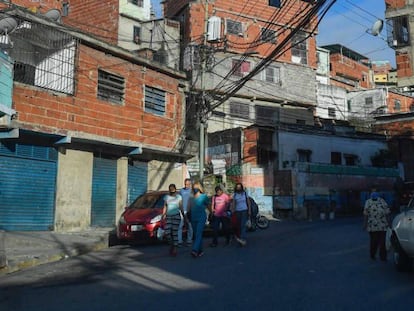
(141,219)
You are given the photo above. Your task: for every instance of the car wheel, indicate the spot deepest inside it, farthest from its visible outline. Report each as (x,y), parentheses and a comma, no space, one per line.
(402,262)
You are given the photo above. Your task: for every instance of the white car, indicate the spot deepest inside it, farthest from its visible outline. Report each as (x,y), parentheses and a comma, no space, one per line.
(402,238)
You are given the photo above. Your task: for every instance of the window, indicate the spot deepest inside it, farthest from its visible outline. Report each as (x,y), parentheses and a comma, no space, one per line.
(350,159)
(154,101)
(349,105)
(397,105)
(110,87)
(304,155)
(398,34)
(139,3)
(268,35)
(331,112)
(240,68)
(299,48)
(336,158)
(300,122)
(137,35)
(369,102)
(271,74)
(275,3)
(234,27)
(266,115)
(239,110)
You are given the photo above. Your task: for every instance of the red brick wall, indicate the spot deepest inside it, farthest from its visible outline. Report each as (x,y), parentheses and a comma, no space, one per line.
(343,66)
(404,68)
(56,113)
(394,128)
(251,137)
(405,102)
(99,18)
(395,4)
(254,17)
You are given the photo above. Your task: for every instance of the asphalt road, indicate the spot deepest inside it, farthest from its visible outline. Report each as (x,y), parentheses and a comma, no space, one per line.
(322,265)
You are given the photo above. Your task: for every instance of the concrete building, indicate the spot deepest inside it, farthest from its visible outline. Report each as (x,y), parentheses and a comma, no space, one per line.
(95,126)
(289,166)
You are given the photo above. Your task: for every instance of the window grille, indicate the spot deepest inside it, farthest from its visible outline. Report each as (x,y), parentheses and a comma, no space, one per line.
(239,110)
(234,27)
(110,87)
(155,100)
(137,35)
(268,35)
(299,48)
(44,57)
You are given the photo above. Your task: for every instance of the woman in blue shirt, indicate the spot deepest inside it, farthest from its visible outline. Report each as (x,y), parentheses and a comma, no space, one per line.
(241,207)
(172,211)
(197,208)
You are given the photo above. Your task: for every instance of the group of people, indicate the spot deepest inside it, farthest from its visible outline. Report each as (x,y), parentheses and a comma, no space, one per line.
(188,207)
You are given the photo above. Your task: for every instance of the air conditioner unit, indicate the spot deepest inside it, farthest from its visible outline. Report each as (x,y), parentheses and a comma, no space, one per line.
(214,29)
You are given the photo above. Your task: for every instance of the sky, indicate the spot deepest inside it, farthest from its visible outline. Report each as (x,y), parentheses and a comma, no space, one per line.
(347,23)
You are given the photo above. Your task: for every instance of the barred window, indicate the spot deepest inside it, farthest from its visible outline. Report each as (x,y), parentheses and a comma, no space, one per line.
(110,87)
(239,110)
(271,74)
(240,68)
(139,3)
(137,35)
(268,35)
(299,48)
(155,100)
(234,27)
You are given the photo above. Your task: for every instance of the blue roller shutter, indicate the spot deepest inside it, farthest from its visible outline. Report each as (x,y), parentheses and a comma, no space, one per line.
(103,192)
(27,187)
(137,180)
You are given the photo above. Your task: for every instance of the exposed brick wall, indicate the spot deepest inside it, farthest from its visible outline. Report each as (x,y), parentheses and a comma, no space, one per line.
(343,66)
(99,18)
(395,4)
(404,67)
(251,137)
(255,15)
(57,113)
(96,17)
(405,102)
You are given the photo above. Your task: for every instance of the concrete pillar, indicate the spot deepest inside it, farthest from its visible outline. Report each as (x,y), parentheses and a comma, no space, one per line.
(3,259)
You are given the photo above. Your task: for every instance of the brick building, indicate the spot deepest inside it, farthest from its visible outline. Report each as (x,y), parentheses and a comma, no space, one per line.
(93,125)
(228,48)
(399,23)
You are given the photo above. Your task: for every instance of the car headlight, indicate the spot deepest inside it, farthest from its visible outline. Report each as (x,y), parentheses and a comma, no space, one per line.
(156,219)
(122,220)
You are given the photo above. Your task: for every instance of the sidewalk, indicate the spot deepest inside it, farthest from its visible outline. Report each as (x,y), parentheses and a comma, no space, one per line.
(29,249)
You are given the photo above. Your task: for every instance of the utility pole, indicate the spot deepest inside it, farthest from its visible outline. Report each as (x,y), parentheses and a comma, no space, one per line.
(202,110)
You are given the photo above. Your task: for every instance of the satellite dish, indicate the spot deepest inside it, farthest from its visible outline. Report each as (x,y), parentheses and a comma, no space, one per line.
(53,15)
(7,24)
(377,27)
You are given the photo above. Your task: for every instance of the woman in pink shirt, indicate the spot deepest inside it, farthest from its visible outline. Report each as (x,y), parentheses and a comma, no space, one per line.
(220,206)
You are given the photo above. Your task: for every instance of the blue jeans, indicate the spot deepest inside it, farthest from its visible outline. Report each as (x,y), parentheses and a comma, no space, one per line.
(198,228)
(241,217)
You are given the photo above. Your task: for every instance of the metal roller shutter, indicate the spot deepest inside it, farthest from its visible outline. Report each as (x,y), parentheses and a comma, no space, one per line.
(103,192)
(137,180)
(27,187)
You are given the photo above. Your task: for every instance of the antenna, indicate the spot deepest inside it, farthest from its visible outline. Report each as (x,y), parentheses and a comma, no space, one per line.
(377,27)
(7,25)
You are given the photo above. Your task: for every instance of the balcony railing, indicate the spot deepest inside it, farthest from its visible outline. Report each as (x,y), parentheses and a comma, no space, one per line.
(320,168)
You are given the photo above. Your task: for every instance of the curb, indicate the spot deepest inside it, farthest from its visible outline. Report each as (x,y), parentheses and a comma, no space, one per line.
(36,261)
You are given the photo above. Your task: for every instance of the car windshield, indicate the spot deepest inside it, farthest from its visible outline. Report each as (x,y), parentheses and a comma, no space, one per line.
(148,201)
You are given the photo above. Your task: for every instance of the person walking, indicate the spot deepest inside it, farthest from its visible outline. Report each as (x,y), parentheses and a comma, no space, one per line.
(220,215)
(197,206)
(376,222)
(241,207)
(172,214)
(185,193)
